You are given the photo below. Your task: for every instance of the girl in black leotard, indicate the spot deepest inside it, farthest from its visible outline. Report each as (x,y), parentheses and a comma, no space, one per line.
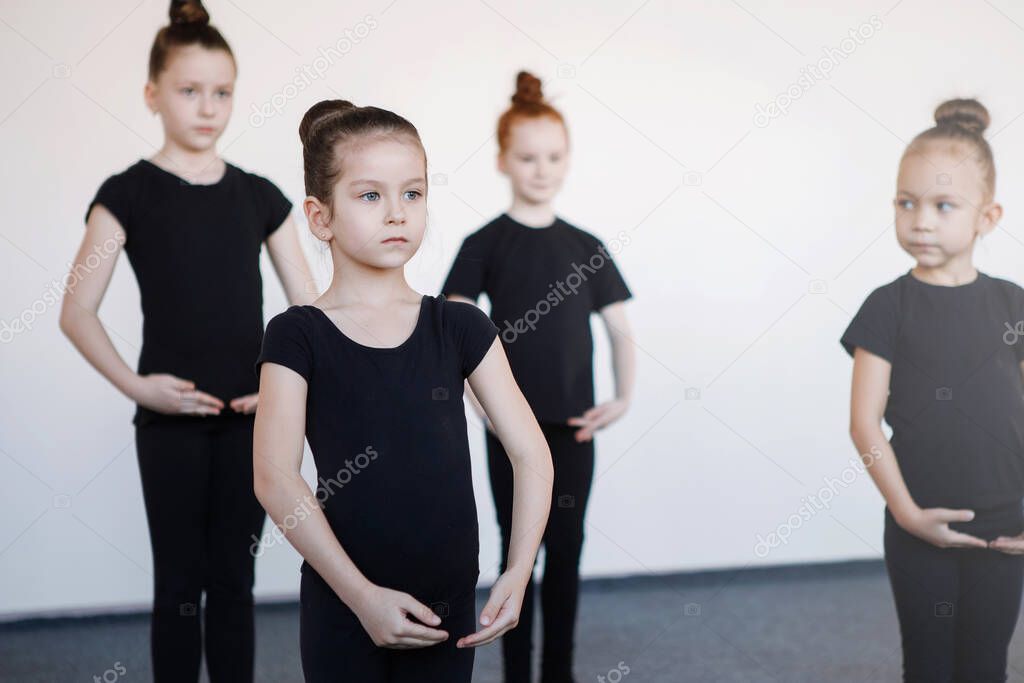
(372,374)
(192,226)
(544,278)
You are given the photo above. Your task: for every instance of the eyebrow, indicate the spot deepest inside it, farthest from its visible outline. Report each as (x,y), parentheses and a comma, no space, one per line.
(933,196)
(369,181)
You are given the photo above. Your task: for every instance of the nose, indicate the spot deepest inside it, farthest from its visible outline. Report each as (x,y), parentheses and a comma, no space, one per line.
(206,106)
(396,214)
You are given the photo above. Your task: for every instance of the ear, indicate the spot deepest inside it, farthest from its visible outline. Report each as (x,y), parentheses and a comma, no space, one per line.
(990,217)
(149,95)
(318,218)
(501,165)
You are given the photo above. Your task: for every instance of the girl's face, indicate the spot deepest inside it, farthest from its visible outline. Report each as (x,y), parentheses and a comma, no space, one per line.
(537,159)
(193,96)
(379,204)
(941,204)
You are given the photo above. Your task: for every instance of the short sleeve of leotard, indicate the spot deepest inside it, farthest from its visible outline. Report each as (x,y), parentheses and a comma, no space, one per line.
(468,275)
(875,326)
(276,206)
(117,194)
(287,341)
(471,331)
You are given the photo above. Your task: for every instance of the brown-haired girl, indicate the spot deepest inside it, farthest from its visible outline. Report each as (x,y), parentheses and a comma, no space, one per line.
(544,278)
(192,226)
(372,374)
(937,354)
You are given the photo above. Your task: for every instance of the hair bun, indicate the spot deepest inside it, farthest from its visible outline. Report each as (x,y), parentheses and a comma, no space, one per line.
(318,114)
(528,89)
(189,12)
(970,115)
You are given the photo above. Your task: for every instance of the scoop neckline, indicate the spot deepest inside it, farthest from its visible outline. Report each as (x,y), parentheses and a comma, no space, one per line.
(183,181)
(914,278)
(532,228)
(377,349)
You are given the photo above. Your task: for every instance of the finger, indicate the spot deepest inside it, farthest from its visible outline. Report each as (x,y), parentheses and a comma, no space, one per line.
(501,624)
(492,607)
(207,399)
(966,540)
(418,610)
(576,421)
(184,384)
(947,515)
(414,632)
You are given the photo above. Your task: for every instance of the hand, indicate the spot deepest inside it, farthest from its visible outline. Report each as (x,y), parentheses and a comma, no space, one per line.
(501,613)
(384,614)
(244,404)
(1011,545)
(932,525)
(598,417)
(174,396)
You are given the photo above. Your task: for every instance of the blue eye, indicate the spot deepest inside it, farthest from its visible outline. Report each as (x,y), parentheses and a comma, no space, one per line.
(905,204)
(187,91)
(376,195)
(415,194)
(224,93)
(948,207)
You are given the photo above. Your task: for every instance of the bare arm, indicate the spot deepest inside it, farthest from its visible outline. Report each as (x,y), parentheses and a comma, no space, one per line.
(532,472)
(278,437)
(79,321)
(290,264)
(868,398)
(623,368)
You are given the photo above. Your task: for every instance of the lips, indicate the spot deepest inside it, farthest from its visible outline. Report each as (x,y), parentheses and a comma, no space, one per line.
(394,240)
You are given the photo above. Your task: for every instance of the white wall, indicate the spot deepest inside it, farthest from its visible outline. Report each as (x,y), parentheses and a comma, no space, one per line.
(730,224)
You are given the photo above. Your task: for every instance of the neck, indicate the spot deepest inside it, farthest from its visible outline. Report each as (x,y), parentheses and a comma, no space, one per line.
(191,164)
(533,214)
(358,283)
(956,271)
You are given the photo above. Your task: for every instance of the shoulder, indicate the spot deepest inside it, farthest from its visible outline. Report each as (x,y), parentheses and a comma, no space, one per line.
(889,294)
(294,320)
(253,181)
(488,232)
(1008,286)
(127,178)
(459,318)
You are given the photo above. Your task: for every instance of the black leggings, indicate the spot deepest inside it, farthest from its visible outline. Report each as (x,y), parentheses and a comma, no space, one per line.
(957,607)
(563,542)
(203,514)
(336,648)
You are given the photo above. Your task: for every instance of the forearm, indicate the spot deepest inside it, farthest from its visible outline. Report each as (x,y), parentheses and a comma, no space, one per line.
(292,506)
(880,462)
(87,334)
(531,501)
(623,366)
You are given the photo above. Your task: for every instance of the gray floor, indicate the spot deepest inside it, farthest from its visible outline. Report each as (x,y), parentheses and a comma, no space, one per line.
(809,623)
